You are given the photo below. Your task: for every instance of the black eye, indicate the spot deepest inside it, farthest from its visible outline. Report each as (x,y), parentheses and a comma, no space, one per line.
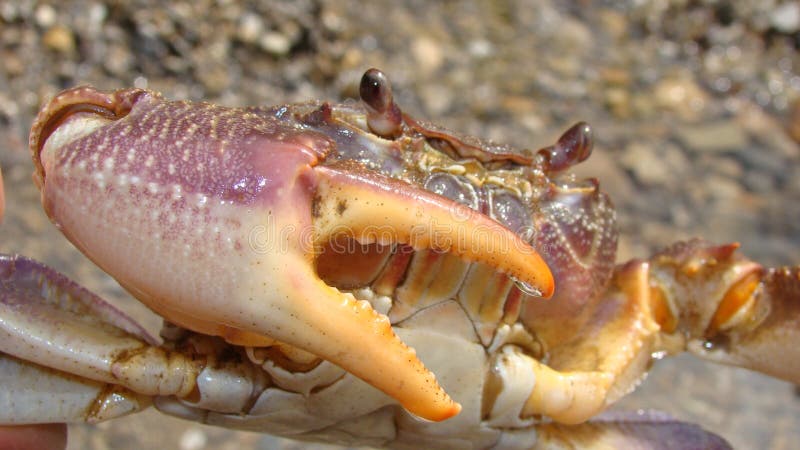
(375,90)
(383,116)
(574,146)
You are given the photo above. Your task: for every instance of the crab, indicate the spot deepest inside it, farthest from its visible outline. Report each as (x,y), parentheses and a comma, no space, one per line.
(349,274)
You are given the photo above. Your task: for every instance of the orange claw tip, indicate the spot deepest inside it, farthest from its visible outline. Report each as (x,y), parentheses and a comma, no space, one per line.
(434,412)
(374,208)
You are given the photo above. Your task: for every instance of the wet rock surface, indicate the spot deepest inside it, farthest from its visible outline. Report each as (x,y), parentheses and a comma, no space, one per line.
(695,106)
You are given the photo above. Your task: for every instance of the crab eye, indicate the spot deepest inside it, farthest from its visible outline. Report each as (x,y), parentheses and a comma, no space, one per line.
(383,116)
(375,90)
(574,146)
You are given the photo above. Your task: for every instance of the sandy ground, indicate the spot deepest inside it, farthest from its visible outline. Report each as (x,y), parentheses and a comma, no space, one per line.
(695,111)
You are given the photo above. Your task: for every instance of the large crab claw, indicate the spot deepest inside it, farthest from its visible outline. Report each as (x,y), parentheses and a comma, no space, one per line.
(214,218)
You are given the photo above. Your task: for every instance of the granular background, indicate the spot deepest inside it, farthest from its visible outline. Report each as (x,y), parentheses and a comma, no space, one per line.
(695,106)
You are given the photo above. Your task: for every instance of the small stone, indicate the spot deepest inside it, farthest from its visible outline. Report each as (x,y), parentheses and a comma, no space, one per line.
(276,43)
(480,48)
(618,101)
(682,95)
(713,137)
(427,53)
(759,182)
(653,166)
(60,39)
(215,78)
(250,28)
(614,23)
(13,64)
(786,17)
(45,16)
(118,60)
(723,188)
(193,439)
(616,76)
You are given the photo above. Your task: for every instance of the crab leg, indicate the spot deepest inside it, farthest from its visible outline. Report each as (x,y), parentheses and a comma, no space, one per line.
(68,356)
(53,376)
(213,217)
(693,296)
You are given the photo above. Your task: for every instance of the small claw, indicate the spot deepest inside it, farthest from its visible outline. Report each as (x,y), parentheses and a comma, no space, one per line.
(762,329)
(373,208)
(732,310)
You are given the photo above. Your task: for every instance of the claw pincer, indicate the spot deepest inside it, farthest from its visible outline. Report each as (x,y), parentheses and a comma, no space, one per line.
(214,218)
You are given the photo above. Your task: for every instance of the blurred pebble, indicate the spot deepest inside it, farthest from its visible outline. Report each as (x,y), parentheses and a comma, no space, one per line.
(275,43)
(682,95)
(786,17)
(653,166)
(45,16)
(722,188)
(193,439)
(427,53)
(250,28)
(60,39)
(619,102)
(712,137)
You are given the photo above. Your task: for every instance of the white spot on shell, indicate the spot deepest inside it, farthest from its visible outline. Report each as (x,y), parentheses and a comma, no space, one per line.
(100,179)
(152,188)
